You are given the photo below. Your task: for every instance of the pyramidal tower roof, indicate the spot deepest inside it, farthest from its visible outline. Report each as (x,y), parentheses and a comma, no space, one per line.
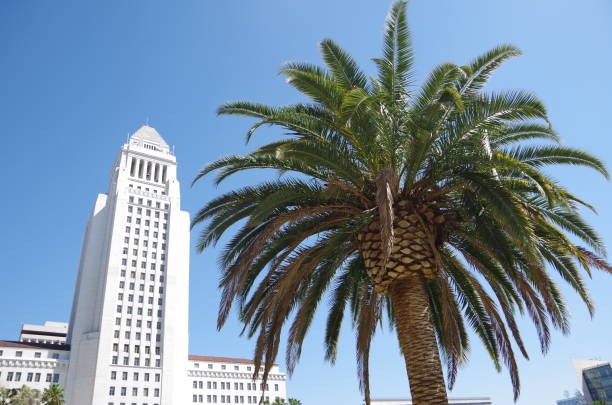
(148,134)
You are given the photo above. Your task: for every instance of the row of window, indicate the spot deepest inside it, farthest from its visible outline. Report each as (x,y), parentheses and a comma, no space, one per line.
(227,399)
(123,391)
(143,253)
(141,287)
(31,377)
(136,349)
(146,211)
(227,385)
(128,228)
(146,234)
(135,361)
(37,355)
(143,265)
(133,403)
(140,201)
(224,367)
(139,311)
(136,376)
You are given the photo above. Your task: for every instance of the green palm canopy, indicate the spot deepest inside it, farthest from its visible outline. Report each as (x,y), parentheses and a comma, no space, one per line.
(424,207)
(54,395)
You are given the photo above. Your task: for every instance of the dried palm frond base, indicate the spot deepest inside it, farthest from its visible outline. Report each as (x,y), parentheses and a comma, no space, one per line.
(412,252)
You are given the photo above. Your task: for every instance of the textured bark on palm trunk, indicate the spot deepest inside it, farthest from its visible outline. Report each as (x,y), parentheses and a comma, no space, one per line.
(418,340)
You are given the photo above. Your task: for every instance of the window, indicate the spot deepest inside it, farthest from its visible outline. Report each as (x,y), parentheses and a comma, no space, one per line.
(195,398)
(113,375)
(126,361)
(127,229)
(115,359)
(195,384)
(49,377)
(156,392)
(157,377)
(123,391)
(222,366)
(37,377)
(208,384)
(124,376)
(146,377)
(275,387)
(56,378)
(111,390)
(37,355)
(222,385)
(157,363)
(18,353)
(145,392)
(115,347)
(236,368)
(9,376)
(134,391)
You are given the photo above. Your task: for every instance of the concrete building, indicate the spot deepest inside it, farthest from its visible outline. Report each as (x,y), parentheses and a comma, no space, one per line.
(126,343)
(451,401)
(49,333)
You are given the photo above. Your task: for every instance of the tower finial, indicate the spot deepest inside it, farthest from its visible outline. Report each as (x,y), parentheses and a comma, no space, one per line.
(147,122)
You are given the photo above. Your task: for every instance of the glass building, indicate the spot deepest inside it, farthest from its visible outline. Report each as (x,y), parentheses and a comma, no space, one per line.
(598,381)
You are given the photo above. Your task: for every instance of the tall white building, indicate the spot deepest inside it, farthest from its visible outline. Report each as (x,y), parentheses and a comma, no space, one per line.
(130,305)
(127,337)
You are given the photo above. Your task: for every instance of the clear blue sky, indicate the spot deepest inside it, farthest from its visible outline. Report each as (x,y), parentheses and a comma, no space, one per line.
(77,76)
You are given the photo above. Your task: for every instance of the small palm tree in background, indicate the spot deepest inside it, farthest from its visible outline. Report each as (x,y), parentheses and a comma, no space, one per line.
(427,207)
(5,395)
(54,395)
(26,396)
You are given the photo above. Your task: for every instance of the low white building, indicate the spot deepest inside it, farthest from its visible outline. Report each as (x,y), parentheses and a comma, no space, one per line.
(50,332)
(126,343)
(37,365)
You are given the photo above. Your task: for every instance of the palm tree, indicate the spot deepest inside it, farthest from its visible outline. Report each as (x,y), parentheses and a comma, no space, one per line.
(54,395)
(5,395)
(26,396)
(425,207)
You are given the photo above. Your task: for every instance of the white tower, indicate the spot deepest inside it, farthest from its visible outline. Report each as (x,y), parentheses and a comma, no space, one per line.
(129,320)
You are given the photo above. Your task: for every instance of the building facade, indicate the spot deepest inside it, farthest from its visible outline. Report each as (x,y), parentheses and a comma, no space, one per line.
(49,333)
(595,379)
(127,339)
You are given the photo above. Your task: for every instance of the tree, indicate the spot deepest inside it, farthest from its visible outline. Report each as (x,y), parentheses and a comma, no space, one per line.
(54,395)
(427,208)
(293,401)
(26,396)
(5,395)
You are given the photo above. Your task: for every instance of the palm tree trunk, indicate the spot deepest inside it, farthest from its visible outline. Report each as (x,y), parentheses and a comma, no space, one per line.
(418,340)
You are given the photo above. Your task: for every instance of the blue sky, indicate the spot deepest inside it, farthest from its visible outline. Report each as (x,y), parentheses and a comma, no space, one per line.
(77,76)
